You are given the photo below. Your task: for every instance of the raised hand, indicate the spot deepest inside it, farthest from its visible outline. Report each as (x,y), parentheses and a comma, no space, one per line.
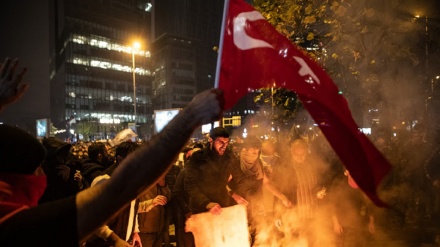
(207,106)
(10,90)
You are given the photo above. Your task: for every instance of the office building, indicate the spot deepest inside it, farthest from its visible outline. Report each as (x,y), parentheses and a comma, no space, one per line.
(185,36)
(92,62)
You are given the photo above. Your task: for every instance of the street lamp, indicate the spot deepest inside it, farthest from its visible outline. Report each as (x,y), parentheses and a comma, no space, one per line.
(136,45)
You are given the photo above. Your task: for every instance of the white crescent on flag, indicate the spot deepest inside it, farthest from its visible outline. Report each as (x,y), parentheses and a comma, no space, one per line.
(245,42)
(241,39)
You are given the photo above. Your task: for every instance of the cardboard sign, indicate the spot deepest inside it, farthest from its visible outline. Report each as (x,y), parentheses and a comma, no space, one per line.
(230,228)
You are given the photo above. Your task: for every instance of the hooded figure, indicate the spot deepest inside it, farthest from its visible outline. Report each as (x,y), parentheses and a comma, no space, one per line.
(62,169)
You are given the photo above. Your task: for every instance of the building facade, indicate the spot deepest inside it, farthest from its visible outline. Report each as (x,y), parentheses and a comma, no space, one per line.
(94,66)
(185,35)
(174,83)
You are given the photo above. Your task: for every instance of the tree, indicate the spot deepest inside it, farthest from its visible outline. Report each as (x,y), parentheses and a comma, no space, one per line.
(366,46)
(280,105)
(52,129)
(86,128)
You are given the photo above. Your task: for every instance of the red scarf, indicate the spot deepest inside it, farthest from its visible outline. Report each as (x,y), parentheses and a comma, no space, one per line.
(19,192)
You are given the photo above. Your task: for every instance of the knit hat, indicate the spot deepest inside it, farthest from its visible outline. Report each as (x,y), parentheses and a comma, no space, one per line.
(20,152)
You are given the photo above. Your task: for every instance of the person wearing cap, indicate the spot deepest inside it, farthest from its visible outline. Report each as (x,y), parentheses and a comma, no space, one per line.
(207,174)
(247,181)
(70,221)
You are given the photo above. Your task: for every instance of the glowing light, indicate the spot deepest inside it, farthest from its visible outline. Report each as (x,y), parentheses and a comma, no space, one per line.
(148,7)
(136,45)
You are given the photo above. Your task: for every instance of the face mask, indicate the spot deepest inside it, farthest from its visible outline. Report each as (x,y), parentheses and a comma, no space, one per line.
(267,159)
(22,189)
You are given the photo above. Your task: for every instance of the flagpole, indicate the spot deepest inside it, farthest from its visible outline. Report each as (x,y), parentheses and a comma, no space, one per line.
(220,50)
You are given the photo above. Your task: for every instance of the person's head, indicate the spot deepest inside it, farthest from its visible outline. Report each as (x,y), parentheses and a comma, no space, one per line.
(219,140)
(20,152)
(250,149)
(123,149)
(268,148)
(98,152)
(22,180)
(58,151)
(299,150)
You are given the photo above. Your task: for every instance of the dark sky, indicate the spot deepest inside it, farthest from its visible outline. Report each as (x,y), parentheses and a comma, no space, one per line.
(24,35)
(24,26)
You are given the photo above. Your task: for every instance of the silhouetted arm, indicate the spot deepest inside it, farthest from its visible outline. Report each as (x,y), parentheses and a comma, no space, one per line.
(142,168)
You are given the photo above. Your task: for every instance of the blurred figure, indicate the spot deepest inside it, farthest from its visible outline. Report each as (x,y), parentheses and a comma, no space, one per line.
(270,159)
(63,171)
(70,221)
(247,181)
(10,88)
(98,160)
(122,228)
(182,202)
(300,180)
(170,207)
(152,214)
(353,220)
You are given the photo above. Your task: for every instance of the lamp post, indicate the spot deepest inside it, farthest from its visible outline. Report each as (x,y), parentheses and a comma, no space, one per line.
(136,45)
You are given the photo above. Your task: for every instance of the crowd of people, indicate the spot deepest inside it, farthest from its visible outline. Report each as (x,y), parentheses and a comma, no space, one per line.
(292,190)
(126,193)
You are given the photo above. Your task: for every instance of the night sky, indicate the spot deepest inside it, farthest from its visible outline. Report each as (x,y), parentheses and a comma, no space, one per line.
(25,35)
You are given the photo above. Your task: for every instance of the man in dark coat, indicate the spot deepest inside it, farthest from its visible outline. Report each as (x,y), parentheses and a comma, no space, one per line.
(207,174)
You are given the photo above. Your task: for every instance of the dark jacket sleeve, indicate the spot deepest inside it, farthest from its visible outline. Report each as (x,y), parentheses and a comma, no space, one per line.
(192,176)
(179,195)
(50,224)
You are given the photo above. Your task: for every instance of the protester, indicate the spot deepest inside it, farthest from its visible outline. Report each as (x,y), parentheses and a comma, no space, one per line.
(207,174)
(270,159)
(300,180)
(122,228)
(63,171)
(70,221)
(152,214)
(353,217)
(247,180)
(98,160)
(182,205)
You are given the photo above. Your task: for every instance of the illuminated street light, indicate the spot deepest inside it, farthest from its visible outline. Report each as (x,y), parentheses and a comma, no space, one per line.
(136,46)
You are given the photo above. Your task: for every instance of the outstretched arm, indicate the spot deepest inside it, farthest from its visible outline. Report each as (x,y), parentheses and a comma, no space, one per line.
(143,167)
(276,192)
(10,91)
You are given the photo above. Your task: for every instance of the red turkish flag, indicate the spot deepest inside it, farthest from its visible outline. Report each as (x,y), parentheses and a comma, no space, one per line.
(254,55)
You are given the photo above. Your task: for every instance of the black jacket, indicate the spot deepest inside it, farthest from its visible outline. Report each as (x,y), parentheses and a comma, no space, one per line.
(206,178)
